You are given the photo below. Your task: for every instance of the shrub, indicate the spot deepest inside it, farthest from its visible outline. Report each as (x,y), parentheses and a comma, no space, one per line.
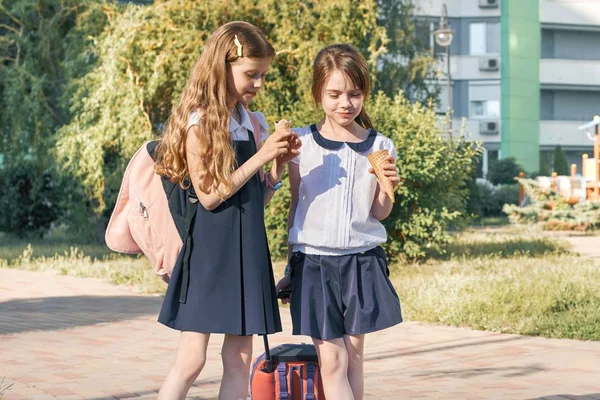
(553,212)
(504,171)
(435,173)
(30,200)
(491,198)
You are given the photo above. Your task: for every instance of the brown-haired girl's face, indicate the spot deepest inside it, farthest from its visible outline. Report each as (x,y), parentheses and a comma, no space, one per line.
(245,77)
(341,100)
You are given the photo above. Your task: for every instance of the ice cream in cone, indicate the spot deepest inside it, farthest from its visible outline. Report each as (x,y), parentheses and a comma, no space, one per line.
(378,160)
(283,124)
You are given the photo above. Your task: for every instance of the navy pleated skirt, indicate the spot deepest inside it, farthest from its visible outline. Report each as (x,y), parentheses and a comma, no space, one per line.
(333,296)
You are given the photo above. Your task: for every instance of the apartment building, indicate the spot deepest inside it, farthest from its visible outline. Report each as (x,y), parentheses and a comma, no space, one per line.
(524,73)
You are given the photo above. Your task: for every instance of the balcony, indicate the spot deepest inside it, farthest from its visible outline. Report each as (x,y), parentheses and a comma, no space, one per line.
(569,72)
(580,12)
(471,67)
(456,8)
(564,133)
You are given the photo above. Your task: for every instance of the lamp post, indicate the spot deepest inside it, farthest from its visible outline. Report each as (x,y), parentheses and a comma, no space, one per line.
(443,37)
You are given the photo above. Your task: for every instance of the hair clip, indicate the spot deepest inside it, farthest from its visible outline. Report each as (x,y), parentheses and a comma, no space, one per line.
(239,46)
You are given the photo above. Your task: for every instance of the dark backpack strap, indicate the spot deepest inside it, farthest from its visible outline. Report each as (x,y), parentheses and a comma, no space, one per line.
(190,213)
(283,392)
(310,381)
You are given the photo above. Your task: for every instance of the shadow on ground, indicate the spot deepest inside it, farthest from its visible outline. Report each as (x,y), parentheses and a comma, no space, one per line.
(53,313)
(414,350)
(591,396)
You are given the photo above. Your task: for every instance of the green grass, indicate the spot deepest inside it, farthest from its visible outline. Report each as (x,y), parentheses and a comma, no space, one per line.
(501,220)
(4,387)
(519,283)
(63,255)
(507,280)
(58,242)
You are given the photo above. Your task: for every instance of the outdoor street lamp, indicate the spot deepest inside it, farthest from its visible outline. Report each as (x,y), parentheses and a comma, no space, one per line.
(443,37)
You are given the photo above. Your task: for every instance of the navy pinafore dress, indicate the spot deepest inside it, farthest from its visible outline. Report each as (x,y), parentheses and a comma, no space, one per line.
(230,287)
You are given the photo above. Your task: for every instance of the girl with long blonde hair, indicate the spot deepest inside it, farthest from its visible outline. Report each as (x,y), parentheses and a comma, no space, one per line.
(216,147)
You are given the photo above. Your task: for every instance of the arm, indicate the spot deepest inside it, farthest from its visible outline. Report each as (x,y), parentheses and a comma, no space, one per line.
(276,145)
(294,175)
(275,174)
(382,205)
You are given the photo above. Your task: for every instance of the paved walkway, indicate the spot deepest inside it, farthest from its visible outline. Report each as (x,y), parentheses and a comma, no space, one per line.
(68,338)
(582,243)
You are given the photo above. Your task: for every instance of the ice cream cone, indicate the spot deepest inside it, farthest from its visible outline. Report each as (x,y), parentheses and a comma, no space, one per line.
(283,124)
(378,160)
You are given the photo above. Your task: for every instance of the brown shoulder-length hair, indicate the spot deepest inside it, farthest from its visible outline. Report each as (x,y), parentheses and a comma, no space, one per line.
(206,90)
(349,61)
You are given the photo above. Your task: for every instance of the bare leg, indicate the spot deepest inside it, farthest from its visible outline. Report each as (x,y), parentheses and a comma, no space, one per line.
(333,359)
(237,356)
(190,359)
(355,345)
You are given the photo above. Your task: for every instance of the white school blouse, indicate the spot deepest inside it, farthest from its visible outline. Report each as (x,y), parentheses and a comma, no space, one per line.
(335,195)
(238,131)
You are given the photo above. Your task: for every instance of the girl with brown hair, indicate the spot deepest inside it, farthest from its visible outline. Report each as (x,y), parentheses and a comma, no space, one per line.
(337,268)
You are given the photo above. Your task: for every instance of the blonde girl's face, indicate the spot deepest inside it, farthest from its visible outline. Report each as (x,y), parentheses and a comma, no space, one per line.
(245,77)
(341,100)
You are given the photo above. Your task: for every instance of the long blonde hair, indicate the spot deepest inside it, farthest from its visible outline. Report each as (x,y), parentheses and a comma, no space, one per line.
(206,90)
(349,61)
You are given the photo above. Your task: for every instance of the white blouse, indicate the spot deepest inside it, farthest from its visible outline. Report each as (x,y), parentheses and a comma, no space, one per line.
(335,195)
(238,131)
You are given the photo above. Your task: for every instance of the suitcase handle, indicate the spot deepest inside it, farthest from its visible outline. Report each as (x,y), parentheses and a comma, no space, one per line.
(268,361)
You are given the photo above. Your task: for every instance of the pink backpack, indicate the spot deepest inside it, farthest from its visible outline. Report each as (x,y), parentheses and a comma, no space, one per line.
(153,215)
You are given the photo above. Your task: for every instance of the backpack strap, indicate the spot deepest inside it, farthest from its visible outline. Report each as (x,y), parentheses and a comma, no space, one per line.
(256,127)
(190,212)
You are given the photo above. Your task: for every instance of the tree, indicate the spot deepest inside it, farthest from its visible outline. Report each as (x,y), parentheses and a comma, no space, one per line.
(408,64)
(561,166)
(44,47)
(41,49)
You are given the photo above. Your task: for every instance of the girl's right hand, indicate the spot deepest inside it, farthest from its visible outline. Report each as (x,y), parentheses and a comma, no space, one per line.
(277,144)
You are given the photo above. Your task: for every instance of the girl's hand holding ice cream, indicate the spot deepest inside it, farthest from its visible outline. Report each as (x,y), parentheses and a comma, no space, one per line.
(294,142)
(383,166)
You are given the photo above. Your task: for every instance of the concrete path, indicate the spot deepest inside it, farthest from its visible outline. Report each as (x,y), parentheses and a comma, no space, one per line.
(68,338)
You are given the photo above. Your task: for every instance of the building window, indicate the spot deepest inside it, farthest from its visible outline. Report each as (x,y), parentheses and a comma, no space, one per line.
(485,108)
(484,38)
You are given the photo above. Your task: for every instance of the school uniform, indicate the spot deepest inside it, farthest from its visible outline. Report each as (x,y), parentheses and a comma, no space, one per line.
(230,285)
(340,283)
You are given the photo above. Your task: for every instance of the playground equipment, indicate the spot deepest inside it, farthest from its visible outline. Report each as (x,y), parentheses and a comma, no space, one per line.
(571,188)
(576,189)
(590,168)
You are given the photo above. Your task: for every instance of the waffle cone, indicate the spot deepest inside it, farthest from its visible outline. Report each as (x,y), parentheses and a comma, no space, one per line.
(377,160)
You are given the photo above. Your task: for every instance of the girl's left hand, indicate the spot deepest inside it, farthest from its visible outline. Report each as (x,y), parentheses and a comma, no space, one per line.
(390,171)
(284,283)
(293,150)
